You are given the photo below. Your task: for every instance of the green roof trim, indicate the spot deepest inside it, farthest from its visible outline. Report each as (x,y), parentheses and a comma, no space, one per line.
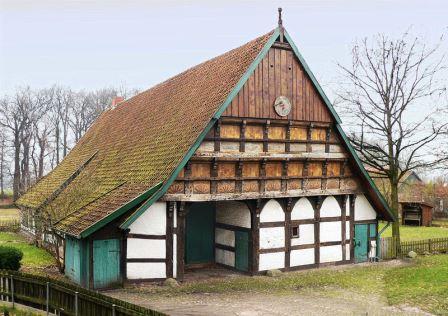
(201,137)
(364,171)
(122,210)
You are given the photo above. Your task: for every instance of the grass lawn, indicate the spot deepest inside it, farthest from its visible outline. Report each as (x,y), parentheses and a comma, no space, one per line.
(422,282)
(34,259)
(416,232)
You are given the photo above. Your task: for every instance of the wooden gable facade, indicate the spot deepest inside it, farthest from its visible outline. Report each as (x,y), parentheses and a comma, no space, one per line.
(218,178)
(264,191)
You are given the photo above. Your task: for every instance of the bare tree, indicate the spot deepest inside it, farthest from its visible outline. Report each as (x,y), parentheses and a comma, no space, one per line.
(3,162)
(395,99)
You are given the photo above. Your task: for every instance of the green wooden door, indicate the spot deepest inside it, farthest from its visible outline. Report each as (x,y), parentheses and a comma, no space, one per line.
(242,250)
(73,259)
(200,234)
(361,242)
(106,263)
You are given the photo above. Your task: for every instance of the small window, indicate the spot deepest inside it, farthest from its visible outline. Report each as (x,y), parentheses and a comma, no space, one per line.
(295,233)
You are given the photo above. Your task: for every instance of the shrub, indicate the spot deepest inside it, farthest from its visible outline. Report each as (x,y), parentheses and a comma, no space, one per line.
(10,258)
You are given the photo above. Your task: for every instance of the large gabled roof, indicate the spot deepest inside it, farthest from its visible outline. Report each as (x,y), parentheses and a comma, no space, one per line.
(138,144)
(139,147)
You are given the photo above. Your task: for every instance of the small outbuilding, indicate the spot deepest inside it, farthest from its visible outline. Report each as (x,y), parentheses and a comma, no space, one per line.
(416,213)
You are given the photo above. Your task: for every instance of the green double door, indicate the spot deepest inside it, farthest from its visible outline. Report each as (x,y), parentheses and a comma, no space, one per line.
(200,234)
(106,263)
(363,234)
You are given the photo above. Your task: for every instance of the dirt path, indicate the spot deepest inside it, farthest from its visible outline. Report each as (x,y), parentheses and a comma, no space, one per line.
(331,302)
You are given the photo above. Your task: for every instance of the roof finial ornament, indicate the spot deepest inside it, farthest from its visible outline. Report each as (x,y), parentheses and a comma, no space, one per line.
(280,24)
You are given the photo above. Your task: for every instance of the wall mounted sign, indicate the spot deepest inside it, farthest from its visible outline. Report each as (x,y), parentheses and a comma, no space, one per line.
(282,105)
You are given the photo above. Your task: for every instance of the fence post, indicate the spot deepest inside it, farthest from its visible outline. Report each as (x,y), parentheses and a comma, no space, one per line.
(47,299)
(113,309)
(12,291)
(76,303)
(430,245)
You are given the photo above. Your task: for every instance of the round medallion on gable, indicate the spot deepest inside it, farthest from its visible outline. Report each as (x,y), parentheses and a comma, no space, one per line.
(282,105)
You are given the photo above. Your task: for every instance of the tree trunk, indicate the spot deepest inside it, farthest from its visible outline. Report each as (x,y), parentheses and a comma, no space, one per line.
(57,141)
(16,180)
(395,207)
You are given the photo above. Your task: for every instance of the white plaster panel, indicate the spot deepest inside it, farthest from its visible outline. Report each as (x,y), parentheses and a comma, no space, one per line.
(372,253)
(302,257)
(233,213)
(347,230)
(274,260)
(152,221)
(225,257)
(272,212)
(363,209)
(145,270)
(272,237)
(347,252)
(146,248)
(347,207)
(174,255)
(330,253)
(225,237)
(306,235)
(330,207)
(175,216)
(302,210)
(330,231)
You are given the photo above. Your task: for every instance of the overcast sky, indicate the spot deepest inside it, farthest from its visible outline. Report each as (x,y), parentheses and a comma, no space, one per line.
(92,44)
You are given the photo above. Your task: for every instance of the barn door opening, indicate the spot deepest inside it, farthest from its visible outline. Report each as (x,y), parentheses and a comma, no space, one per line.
(106,263)
(200,235)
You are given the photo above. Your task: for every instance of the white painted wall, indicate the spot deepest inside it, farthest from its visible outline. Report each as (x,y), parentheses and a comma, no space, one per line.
(330,231)
(302,210)
(146,248)
(347,252)
(363,209)
(330,253)
(233,213)
(152,221)
(145,270)
(306,235)
(347,230)
(225,257)
(225,237)
(330,207)
(272,237)
(272,212)
(347,207)
(268,261)
(174,255)
(302,257)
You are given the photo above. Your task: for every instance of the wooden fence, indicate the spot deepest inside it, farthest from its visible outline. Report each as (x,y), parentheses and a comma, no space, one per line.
(9,225)
(390,248)
(61,298)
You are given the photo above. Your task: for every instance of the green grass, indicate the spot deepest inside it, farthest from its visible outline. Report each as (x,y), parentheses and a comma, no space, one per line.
(416,232)
(424,284)
(17,311)
(34,258)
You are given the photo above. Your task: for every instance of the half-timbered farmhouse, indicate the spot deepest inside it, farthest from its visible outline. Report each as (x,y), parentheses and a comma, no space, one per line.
(239,162)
